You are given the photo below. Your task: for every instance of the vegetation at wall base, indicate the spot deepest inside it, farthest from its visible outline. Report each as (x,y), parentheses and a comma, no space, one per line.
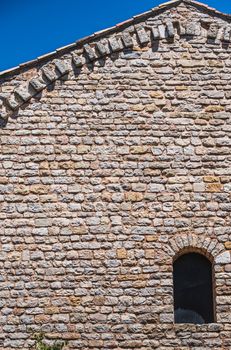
(41,344)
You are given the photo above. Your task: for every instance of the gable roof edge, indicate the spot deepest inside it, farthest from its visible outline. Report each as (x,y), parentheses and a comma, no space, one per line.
(91,49)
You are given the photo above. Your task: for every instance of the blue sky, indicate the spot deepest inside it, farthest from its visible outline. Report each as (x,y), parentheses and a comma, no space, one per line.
(31,28)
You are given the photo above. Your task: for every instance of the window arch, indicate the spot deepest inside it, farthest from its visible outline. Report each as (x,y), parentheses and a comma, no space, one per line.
(193,289)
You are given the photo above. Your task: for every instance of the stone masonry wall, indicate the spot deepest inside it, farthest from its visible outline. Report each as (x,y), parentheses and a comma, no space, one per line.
(113,171)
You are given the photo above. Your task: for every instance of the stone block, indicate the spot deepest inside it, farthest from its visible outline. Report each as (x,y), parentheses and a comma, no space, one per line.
(90,52)
(77,61)
(170,29)
(223,258)
(82,149)
(214,187)
(133,196)
(149,253)
(49,74)
(199,187)
(121,253)
(62,67)
(75,301)
(127,40)
(228,245)
(115,44)
(102,49)
(213,30)
(162,31)
(43,222)
(143,36)
(210,178)
(138,149)
(156,188)
(12,102)
(37,84)
(39,189)
(155,33)
(23,93)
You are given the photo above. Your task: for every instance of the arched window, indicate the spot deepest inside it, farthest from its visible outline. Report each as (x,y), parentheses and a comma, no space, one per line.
(193,289)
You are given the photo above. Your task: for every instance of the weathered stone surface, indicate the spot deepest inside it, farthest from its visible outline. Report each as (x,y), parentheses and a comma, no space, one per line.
(155,33)
(37,84)
(12,102)
(127,40)
(224,258)
(61,67)
(143,36)
(90,52)
(228,245)
(162,31)
(121,253)
(77,61)
(49,74)
(115,44)
(170,29)
(108,176)
(23,93)
(102,49)
(213,30)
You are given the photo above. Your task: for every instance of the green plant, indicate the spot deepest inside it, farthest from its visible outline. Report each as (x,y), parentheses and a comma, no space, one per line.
(40,343)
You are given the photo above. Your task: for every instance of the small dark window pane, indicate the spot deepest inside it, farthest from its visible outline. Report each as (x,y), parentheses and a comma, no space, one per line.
(193,289)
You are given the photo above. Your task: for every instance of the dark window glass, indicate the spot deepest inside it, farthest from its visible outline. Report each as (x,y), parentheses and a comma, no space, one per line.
(193,289)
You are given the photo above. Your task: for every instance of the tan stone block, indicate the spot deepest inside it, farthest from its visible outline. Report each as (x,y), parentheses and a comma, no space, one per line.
(67,165)
(52,310)
(151,107)
(99,300)
(131,277)
(215,63)
(75,301)
(79,230)
(3,180)
(141,49)
(228,245)
(121,253)
(134,196)
(82,101)
(106,196)
(42,318)
(68,336)
(214,187)
(151,238)
(211,179)
(81,149)
(149,253)
(138,149)
(138,108)
(212,109)
(139,284)
(181,88)
(156,94)
(39,189)
(44,165)
(21,189)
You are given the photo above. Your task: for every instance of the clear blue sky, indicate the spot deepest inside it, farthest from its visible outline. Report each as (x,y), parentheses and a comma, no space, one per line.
(31,28)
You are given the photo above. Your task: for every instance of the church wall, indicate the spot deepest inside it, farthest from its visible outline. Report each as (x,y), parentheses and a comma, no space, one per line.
(105,178)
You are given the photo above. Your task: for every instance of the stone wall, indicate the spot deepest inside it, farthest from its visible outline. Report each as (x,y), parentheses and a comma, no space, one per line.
(107,175)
